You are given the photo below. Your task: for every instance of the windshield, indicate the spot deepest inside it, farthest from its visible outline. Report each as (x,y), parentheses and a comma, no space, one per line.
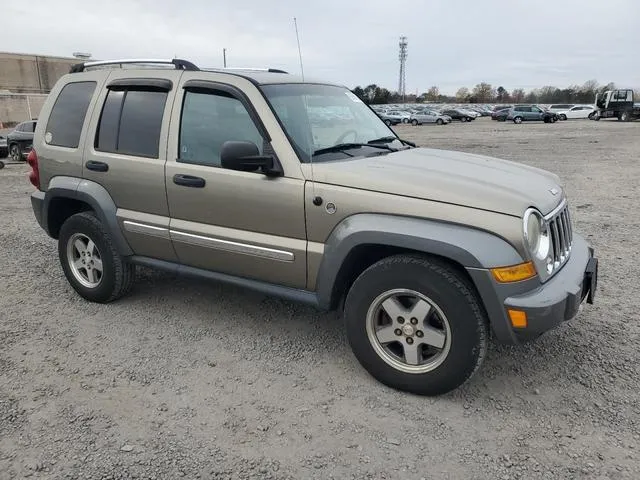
(316,117)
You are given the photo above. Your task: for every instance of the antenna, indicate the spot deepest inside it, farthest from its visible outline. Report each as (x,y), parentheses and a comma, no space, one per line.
(317,201)
(224,57)
(295,23)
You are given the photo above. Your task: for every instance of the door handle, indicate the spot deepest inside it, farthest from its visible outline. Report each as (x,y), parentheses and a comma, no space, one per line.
(188,181)
(97,166)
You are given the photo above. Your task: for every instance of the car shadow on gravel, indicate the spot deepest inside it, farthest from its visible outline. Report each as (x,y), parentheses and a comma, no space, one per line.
(215,308)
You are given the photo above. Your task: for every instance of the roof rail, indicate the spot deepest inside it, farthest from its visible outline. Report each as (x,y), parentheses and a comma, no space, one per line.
(178,63)
(245,69)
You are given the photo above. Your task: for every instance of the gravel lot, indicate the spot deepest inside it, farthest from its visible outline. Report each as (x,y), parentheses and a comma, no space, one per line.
(198,380)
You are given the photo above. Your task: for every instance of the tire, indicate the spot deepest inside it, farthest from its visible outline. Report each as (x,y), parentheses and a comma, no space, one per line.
(455,313)
(439,121)
(1,165)
(463,119)
(591,116)
(517,120)
(414,122)
(387,122)
(405,120)
(562,116)
(116,277)
(625,117)
(15,152)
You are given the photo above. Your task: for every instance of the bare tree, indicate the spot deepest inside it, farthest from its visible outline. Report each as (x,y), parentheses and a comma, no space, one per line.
(518,95)
(433,94)
(462,94)
(484,92)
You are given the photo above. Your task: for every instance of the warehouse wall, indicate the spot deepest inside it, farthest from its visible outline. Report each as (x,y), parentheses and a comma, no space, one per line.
(30,73)
(19,108)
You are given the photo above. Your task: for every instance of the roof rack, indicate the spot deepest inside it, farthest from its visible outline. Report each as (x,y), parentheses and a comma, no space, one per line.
(245,69)
(178,63)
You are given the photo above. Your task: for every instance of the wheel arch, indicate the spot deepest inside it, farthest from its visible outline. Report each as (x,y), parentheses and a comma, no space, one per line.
(361,240)
(66,196)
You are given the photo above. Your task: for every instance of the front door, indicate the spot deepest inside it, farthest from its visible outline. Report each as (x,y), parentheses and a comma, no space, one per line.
(241,223)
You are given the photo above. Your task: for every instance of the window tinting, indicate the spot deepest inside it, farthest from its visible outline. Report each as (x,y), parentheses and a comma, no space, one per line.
(131,121)
(208,120)
(68,114)
(107,139)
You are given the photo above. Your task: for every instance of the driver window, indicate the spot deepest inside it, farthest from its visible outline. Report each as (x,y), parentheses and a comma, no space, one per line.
(210,118)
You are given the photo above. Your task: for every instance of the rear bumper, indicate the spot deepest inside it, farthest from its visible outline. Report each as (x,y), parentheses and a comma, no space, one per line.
(37,203)
(546,305)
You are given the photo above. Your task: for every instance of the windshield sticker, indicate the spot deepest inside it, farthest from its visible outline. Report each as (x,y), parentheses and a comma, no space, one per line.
(353,97)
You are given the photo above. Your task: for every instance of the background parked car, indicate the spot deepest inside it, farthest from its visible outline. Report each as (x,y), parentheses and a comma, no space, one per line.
(500,115)
(20,140)
(461,115)
(579,111)
(4,149)
(428,116)
(389,119)
(528,113)
(560,107)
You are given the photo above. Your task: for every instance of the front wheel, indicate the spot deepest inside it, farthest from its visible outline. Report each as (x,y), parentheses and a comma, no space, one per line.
(414,122)
(463,119)
(562,116)
(625,117)
(90,260)
(416,325)
(439,121)
(517,120)
(405,120)
(387,123)
(1,164)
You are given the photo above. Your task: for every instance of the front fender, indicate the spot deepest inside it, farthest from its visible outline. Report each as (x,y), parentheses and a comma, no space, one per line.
(469,247)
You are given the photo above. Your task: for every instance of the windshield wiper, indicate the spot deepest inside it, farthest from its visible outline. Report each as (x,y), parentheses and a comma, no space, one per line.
(391,139)
(341,147)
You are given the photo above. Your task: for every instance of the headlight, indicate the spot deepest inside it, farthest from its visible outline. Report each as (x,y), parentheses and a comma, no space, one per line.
(536,235)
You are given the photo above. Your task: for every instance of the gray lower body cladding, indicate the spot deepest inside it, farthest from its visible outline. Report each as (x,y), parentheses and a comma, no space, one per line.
(546,305)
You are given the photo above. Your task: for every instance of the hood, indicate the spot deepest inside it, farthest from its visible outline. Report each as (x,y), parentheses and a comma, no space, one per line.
(458,178)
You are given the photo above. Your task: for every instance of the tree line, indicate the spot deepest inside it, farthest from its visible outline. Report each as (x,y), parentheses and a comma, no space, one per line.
(486,93)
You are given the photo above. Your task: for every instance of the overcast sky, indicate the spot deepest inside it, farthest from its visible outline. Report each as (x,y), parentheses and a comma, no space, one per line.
(452,43)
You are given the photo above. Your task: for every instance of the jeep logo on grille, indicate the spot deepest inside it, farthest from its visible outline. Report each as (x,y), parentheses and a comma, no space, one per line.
(554,191)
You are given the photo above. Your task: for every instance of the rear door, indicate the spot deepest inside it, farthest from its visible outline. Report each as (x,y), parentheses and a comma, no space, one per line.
(241,223)
(126,154)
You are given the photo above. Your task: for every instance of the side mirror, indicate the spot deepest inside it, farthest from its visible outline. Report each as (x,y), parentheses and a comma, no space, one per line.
(245,156)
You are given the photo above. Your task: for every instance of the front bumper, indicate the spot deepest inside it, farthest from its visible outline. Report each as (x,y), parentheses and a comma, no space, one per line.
(546,305)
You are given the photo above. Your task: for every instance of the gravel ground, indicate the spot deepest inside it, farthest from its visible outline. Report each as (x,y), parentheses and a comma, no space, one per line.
(198,380)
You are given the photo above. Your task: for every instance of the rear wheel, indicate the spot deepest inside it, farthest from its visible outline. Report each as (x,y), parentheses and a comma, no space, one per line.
(562,116)
(625,117)
(414,122)
(15,152)
(439,121)
(463,119)
(405,120)
(416,325)
(591,115)
(517,120)
(1,165)
(90,260)
(387,122)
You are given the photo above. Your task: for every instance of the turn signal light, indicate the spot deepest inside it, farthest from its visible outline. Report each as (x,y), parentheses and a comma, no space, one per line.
(514,273)
(518,318)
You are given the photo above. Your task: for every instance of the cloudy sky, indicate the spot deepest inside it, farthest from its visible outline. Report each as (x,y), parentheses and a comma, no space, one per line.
(452,43)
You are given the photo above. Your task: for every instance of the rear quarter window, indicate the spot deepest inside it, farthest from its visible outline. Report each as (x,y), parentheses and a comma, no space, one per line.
(68,114)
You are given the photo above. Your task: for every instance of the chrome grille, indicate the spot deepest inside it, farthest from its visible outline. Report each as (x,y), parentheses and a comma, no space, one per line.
(559,224)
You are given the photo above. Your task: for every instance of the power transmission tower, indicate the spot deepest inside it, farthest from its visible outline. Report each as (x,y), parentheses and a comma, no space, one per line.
(402,82)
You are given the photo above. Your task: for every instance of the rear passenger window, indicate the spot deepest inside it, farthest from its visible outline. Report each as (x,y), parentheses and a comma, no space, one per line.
(67,116)
(131,121)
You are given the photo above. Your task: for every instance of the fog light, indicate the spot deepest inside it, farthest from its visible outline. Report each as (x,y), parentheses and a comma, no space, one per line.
(518,318)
